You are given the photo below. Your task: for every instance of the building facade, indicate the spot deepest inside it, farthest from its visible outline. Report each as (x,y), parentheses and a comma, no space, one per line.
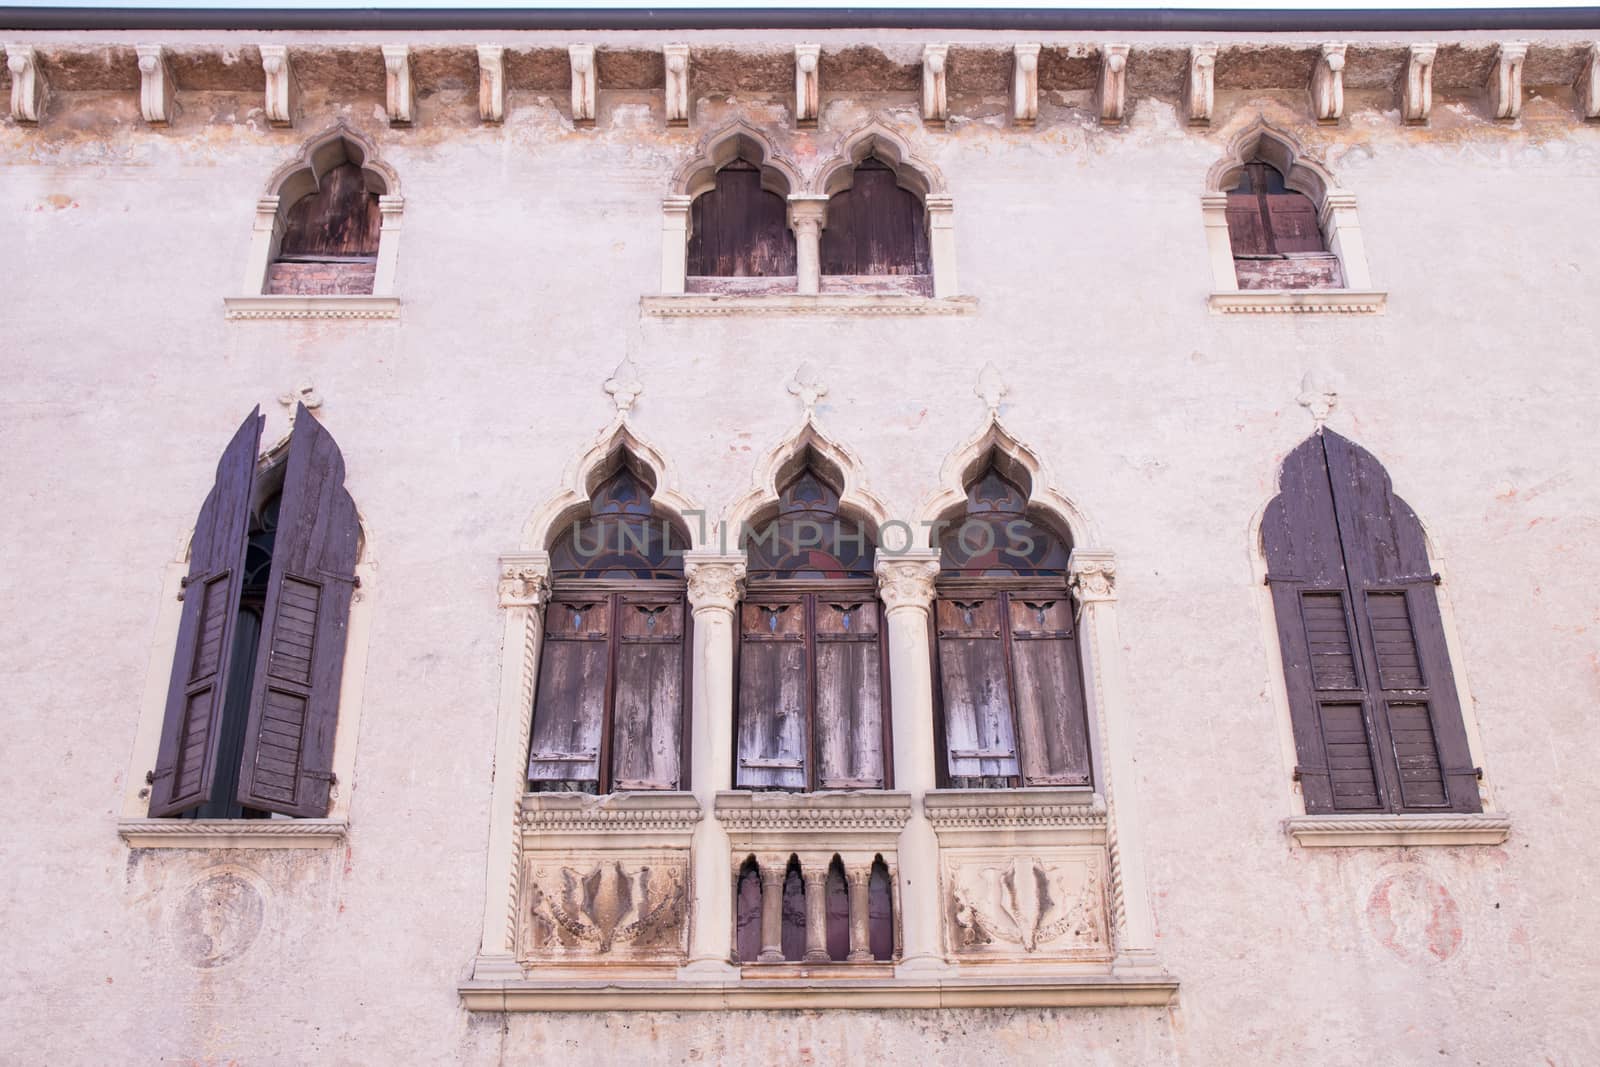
(807,544)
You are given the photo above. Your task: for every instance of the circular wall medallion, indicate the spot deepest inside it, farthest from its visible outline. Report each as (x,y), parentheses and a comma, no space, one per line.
(218,918)
(1413,915)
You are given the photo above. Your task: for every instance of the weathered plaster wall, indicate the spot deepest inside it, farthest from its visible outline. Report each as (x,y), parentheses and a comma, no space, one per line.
(524,253)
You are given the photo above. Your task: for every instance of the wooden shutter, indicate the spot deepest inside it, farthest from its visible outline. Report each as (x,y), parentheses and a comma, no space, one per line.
(569,708)
(875,227)
(739,229)
(979,727)
(849,709)
(1292,218)
(1413,694)
(647,723)
(294,705)
(186,761)
(1048,681)
(341,219)
(1247,229)
(773,685)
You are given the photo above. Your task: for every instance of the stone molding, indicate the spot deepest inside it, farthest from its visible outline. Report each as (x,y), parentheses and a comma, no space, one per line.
(1358,831)
(1299,302)
(312,307)
(712,305)
(233,833)
(794,817)
(1035,809)
(582,814)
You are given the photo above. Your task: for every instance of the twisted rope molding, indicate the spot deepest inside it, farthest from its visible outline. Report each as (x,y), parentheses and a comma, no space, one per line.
(235,827)
(1310,825)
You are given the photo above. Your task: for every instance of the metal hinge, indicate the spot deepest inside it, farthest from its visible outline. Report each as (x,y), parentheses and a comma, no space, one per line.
(1301,772)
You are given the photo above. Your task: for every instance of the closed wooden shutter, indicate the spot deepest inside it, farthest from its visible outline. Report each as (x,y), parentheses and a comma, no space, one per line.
(569,708)
(740,230)
(1293,219)
(340,220)
(294,705)
(1048,684)
(875,227)
(774,685)
(849,708)
(186,761)
(647,723)
(1247,228)
(979,723)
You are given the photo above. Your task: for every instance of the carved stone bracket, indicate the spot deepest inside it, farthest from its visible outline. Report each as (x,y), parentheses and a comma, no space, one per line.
(29,91)
(676,59)
(1327,83)
(282,91)
(1416,102)
(907,581)
(1093,575)
(935,93)
(491,83)
(1589,86)
(1113,84)
(1505,81)
(806,58)
(524,579)
(583,83)
(1200,91)
(1025,84)
(397,84)
(715,581)
(155,85)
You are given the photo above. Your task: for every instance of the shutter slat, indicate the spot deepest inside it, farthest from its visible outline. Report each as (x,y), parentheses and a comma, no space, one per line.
(772,742)
(979,733)
(647,722)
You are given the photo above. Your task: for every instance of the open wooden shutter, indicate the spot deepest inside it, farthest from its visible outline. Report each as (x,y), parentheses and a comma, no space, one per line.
(186,761)
(288,748)
(1412,688)
(773,683)
(647,723)
(849,710)
(569,708)
(1049,689)
(980,735)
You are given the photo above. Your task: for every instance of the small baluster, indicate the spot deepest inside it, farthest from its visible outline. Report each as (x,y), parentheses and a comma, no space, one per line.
(772,877)
(859,878)
(816,879)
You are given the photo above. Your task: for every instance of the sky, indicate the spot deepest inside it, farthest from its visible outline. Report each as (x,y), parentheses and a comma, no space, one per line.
(1131,5)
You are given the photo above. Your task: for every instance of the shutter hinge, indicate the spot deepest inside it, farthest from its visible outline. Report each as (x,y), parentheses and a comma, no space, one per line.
(1301,772)
(330,778)
(1270,578)
(354,579)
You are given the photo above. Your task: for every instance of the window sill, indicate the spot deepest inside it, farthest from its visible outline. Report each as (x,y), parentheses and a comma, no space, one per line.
(962,991)
(699,305)
(1299,302)
(233,833)
(312,307)
(1379,830)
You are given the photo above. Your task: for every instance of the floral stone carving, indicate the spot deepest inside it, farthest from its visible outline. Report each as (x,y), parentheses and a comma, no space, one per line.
(1037,904)
(623,908)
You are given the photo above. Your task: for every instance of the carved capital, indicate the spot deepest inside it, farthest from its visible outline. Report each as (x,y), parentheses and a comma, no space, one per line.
(906,582)
(807,212)
(524,580)
(1200,91)
(1416,102)
(581,57)
(1505,81)
(491,83)
(1025,84)
(935,98)
(806,59)
(28,87)
(397,81)
(155,84)
(676,59)
(1327,83)
(1094,575)
(1113,83)
(715,582)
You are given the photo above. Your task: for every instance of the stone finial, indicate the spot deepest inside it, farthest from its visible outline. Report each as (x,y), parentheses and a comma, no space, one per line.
(676,59)
(397,83)
(283,91)
(935,97)
(1327,83)
(1025,84)
(991,388)
(1589,86)
(583,83)
(1093,575)
(155,84)
(1113,83)
(1505,81)
(806,59)
(808,386)
(491,83)
(303,393)
(1200,91)
(1319,394)
(28,87)
(624,386)
(1416,100)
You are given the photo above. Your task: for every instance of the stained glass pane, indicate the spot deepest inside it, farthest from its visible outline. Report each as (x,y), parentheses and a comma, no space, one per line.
(620,538)
(809,538)
(996,537)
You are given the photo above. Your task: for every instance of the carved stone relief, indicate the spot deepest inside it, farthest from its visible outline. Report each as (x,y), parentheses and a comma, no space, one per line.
(218,918)
(604,907)
(1027,904)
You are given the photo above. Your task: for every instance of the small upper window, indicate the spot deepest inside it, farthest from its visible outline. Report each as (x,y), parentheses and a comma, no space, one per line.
(330,238)
(877,233)
(739,229)
(1277,243)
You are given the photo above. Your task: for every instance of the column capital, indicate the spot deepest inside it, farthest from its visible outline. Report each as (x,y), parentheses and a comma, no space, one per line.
(524,579)
(808,208)
(715,580)
(1093,574)
(676,204)
(906,580)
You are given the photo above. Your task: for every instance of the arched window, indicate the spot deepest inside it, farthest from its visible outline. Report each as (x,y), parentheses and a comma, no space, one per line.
(811,700)
(330,237)
(739,229)
(608,714)
(876,227)
(1377,723)
(1010,682)
(1277,243)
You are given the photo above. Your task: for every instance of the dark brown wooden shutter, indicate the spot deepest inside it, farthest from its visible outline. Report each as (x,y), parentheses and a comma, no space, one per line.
(294,708)
(875,227)
(1048,682)
(340,220)
(849,710)
(740,230)
(773,686)
(1247,229)
(647,723)
(186,761)
(979,726)
(569,709)
(1293,220)
(1412,686)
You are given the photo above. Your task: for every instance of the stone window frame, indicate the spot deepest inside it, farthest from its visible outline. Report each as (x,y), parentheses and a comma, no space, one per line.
(1336,215)
(807,213)
(134,825)
(335,146)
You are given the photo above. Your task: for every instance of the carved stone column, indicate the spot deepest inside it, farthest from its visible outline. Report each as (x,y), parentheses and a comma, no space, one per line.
(942,243)
(859,880)
(714,588)
(674,242)
(808,216)
(905,582)
(1094,585)
(773,873)
(815,873)
(524,586)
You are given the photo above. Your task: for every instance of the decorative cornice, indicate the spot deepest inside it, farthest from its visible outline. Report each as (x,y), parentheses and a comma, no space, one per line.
(813,812)
(1015,816)
(702,305)
(1299,302)
(312,307)
(1356,831)
(675,814)
(232,833)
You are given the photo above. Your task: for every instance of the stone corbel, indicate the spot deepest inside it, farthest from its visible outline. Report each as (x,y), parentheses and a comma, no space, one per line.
(942,243)
(491,83)
(524,579)
(676,58)
(1200,92)
(283,91)
(29,89)
(1589,86)
(806,59)
(808,217)
(155,85)
(935,97)
(1505,81)
(1093,575)
(1416,102)
(583,83)
(1327,84)
(1113,84)
(397,83)
(1025,84)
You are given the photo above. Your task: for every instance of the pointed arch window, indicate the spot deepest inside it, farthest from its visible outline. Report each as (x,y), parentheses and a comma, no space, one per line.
(1276,238)
(739,228)
(812,701)
(330,237)
(1377,722)
(1012,709)
(876,229)
(608,712)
